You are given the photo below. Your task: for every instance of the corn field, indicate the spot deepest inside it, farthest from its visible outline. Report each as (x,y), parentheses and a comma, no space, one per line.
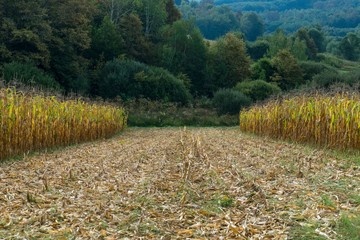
(331,121)
(31,123)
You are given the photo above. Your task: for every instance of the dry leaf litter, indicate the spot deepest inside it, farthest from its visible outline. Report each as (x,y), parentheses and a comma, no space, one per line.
(173,183)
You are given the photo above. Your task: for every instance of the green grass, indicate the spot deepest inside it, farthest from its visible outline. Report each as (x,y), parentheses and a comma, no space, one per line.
(349,227)
(327,201)
(307,232)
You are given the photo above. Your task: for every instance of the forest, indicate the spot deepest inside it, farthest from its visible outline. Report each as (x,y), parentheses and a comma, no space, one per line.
(336,17)
(190,54)
(170,119)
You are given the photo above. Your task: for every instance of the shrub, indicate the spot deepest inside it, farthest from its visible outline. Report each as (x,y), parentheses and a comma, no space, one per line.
(257,90)
(326,79)
(353,79)
(258,49)
(263,70)
(131,79)
(28,74)
(310,69)
(229,101)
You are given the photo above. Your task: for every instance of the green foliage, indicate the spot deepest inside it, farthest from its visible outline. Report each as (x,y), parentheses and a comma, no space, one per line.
(70,23)
(106,41)
(336,17)
(25,32)
(257,90)
(136,46)
(228,62)
(153,15)
(213,21)
(288,74)
(225,202)
(318,36)
(325,79)
(312,49)
(145,113)
(183,50)
(350,47)
(173,13)
(279,41)
(263,69)
(28,74)
(329,78)
(130,79)
(311,68)
(258,49)
(252,26)
(229,101)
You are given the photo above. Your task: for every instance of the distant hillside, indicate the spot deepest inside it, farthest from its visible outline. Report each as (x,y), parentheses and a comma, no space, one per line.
(336,16)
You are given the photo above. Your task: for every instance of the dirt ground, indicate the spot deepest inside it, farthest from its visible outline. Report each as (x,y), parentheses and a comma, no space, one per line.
(175,183)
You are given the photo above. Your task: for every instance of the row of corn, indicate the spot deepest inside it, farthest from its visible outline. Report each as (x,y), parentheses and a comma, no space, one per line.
(29,123)
(332,121)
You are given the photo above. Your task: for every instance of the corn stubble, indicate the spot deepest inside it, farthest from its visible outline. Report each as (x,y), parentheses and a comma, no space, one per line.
(331,121)
(31,123)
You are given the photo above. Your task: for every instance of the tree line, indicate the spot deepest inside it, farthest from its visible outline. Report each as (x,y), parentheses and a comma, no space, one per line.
(147,49)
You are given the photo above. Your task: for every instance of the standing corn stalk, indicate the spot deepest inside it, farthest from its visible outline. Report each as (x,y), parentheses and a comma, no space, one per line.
(329,121)
(29,123)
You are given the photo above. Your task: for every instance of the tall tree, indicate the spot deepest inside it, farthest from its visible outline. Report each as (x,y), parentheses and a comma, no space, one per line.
(229,62)
(350,47)
(173,13)
(106,41)
(277,42)
(24,32)
(70,21)
(288,73)
(303,35)
(183,51)
(116,9)
(135,44)
(252,26)
(153,15)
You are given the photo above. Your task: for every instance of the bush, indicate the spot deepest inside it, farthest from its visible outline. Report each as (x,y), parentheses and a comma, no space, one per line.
(263,70)
(131,79)
(145,113)
(326,79)
(229,101)
(258,49)
(310,69)
(353,79)
(257,90)
(28,74)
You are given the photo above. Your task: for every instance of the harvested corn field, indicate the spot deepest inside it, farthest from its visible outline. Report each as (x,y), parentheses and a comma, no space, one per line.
(171,183)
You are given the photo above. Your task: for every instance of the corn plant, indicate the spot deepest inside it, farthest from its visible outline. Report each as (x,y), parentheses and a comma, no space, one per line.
(29,123)
(332,121)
